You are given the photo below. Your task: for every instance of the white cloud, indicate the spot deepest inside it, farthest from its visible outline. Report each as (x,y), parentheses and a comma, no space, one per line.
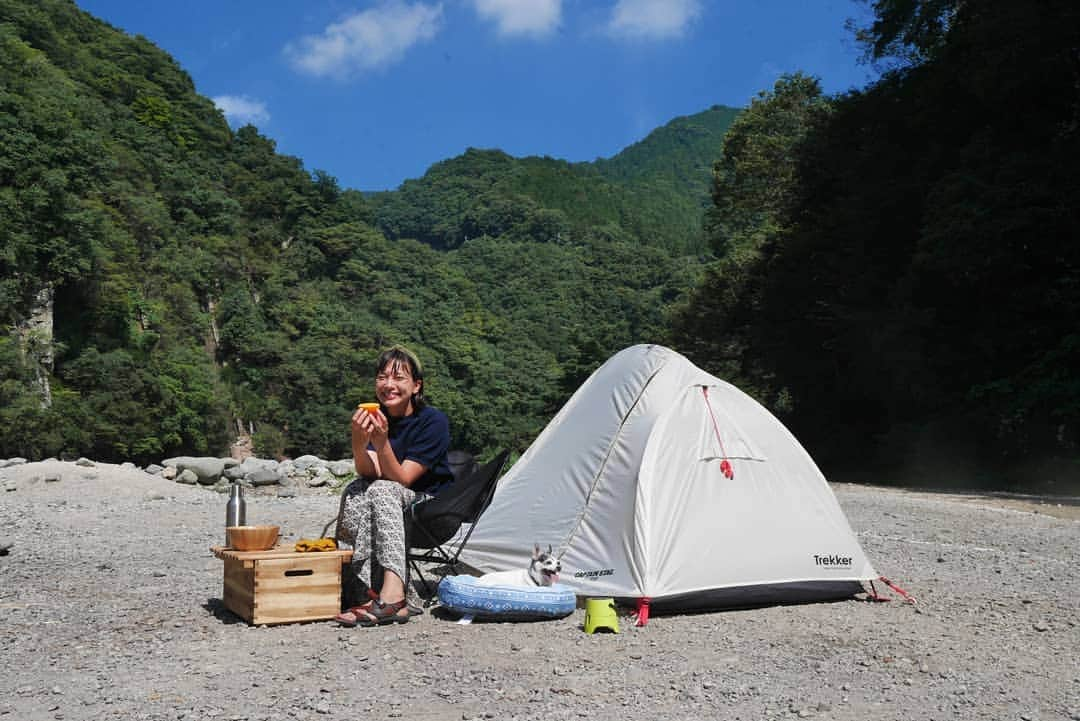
(652,19)
(521,17)
(241,110)
(366,40)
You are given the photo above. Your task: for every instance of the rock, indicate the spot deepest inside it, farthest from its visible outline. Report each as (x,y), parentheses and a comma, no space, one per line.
(1041,626)
(128,465)
(207,469)
(230,462)
(85,463)
(252,464)
(308,461)
(51,478)
(234,473)
(187,477)
(169,473)
(341,468)
(12,462)
(286,493)
(9,485)
(153,469)
(264,478)
(320,479)
(5,546)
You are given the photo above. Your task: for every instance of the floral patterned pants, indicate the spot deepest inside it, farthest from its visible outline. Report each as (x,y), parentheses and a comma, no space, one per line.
(372,521)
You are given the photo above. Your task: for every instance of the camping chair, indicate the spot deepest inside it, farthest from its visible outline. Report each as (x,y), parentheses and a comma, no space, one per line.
(433,522)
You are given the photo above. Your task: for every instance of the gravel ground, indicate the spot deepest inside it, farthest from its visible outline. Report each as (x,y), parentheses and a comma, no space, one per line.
(110,609)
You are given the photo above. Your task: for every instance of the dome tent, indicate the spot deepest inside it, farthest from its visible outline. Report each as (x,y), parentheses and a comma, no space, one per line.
(659,481)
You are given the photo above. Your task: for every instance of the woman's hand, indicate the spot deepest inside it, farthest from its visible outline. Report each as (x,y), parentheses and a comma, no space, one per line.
(380,427)
(361,427)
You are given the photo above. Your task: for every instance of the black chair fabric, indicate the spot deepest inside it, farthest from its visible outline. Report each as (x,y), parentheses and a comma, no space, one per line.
(461,463)
(436,520)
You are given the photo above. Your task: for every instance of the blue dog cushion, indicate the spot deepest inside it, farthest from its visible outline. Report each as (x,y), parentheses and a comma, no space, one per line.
(462,594)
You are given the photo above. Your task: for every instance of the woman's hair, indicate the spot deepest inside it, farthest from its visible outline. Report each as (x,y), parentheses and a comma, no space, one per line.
(400,356)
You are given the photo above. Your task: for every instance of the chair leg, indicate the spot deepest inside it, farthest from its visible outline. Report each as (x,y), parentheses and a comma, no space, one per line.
(430,590)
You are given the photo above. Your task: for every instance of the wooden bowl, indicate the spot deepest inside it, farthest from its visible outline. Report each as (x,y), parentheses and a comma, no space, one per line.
(252,538)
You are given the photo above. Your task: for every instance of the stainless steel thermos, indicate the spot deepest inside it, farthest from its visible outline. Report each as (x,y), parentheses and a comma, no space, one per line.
(235,509)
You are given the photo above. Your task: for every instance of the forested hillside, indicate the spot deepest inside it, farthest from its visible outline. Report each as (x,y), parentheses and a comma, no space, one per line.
(899,268)
(165,281)
(894,270)
(653,193)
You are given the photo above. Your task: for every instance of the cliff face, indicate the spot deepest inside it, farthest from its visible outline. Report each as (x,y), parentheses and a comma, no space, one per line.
(36,340)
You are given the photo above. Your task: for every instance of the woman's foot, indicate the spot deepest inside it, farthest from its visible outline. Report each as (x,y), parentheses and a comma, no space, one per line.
(350,616)
(381,613)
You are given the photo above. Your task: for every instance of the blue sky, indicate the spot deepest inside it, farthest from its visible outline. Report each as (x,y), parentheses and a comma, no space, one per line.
(375,91)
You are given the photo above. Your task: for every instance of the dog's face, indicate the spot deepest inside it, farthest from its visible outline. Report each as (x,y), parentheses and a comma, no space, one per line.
(545,567)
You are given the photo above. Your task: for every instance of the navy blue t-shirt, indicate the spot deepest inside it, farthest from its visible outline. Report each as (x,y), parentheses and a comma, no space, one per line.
(423,437)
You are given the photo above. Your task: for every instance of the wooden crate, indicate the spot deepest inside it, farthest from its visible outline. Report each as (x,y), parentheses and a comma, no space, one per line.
(281,585)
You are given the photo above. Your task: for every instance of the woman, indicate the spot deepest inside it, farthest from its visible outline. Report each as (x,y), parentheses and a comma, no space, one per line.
(400,455)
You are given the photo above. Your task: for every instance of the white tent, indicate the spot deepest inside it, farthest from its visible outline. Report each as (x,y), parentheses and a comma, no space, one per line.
(630,485)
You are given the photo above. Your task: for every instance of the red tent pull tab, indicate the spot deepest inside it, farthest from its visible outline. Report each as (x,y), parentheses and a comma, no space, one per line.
(907,596)
(725,464)
(643,610)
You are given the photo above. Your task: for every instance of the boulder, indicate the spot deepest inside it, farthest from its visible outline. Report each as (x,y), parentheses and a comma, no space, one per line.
(187,477)
(252,464)
(153,469)
(207,469)
(264,478)
(85,463)
(303,463)
(12,462)
(235,473)
(322,477)
(169,473)
(342,468)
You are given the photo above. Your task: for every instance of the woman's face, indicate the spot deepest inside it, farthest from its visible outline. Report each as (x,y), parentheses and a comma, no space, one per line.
(394,387)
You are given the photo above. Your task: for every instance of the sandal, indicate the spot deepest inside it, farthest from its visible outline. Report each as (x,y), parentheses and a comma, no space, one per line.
(381,614)
(351,616)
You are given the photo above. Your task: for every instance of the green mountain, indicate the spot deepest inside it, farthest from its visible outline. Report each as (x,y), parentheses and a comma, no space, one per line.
(655,191)
(165,281)
(670,175)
